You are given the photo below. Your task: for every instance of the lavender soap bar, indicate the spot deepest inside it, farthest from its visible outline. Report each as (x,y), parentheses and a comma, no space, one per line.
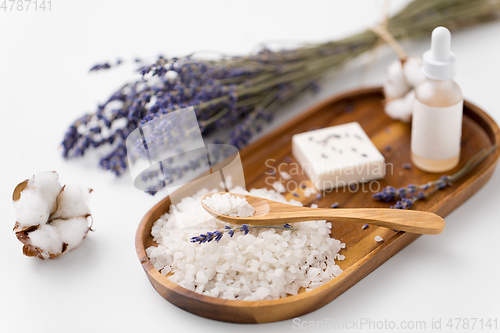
(338,156)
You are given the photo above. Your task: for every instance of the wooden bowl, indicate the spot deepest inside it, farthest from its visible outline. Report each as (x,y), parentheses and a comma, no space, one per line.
(362,253)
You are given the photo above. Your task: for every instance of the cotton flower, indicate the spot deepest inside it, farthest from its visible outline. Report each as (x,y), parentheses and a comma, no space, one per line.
(402,78)
(51,219)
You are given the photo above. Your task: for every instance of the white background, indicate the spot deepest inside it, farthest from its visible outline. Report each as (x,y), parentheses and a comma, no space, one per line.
(45,85)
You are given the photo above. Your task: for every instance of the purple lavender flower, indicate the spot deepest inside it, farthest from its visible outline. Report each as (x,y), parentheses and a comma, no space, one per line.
(230,230)
(421,192)
(412,188)
(233,93)
(99,67)
(387,194)
(245,228)
(241,93)
(441,185)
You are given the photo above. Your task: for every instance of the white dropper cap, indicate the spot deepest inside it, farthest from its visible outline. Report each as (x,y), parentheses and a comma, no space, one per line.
(439,61)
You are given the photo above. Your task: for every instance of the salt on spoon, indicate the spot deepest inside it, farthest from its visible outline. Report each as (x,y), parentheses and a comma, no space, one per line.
(227,204)
(262,264)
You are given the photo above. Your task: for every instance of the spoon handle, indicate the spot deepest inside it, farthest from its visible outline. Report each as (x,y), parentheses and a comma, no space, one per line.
(413,221)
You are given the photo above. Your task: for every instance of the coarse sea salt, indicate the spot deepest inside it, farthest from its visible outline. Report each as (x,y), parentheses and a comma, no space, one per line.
(309,191)
(229,205)
(285,175)
(279,187)
(264,264)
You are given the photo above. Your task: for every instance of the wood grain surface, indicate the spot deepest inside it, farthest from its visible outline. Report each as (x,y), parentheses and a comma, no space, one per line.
(362,253)
(272,213)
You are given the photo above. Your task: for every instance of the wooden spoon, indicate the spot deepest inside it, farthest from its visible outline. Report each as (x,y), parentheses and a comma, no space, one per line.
(268,212)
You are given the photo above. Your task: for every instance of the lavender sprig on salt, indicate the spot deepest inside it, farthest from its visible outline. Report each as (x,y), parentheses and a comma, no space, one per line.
(235,206)
(254,263)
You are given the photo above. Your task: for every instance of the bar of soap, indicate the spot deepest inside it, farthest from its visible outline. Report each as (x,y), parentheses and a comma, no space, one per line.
(338,156)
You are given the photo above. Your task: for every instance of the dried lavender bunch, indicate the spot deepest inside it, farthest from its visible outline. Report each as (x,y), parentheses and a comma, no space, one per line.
(230,230)
(243,93)
(406,196)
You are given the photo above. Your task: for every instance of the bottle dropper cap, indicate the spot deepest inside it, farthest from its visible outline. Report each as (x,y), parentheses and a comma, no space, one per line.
(439,61)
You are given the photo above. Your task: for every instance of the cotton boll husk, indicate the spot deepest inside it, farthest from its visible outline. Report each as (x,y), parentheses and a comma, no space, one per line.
(395,84)
(50,219)
(72,201)
(37,201)
(401,108)
(413,71)
(32,209)
(46,239)
(51,240)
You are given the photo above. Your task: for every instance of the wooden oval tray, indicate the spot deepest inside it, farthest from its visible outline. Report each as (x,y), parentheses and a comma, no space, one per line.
(362,254)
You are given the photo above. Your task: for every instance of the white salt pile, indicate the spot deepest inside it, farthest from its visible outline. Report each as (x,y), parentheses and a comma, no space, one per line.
(229,205)
(279,187)
(308,191)
(285,175)
(264,264)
